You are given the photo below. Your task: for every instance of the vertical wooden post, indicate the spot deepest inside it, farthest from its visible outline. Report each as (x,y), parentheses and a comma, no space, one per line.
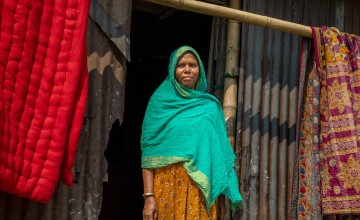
(231,78)
(231,74)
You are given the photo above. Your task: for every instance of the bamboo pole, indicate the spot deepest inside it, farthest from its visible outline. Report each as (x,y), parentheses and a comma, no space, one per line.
(231,81)
(237,15)
(231,74)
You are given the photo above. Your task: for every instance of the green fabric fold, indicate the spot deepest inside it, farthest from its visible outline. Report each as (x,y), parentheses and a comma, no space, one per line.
(184,125)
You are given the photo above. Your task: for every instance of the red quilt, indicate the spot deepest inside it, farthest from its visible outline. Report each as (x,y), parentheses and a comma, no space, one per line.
(43,92)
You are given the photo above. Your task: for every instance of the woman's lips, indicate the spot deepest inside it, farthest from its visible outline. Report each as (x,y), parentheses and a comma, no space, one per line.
(187,78)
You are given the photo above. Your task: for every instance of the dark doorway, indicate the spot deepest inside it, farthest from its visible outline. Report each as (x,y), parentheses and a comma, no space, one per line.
(153,38)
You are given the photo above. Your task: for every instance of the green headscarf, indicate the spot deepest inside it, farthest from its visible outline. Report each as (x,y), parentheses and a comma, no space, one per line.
(185,125)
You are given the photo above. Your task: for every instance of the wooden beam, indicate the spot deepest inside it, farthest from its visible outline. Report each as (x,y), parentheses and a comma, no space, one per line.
(237,15)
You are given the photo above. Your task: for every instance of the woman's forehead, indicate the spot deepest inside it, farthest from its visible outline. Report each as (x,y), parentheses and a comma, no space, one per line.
(188,54)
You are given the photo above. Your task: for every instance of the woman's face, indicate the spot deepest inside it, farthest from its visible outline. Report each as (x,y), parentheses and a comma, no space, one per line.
(187,70)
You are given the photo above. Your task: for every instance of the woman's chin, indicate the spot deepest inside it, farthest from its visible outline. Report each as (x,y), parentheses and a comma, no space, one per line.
(188,84)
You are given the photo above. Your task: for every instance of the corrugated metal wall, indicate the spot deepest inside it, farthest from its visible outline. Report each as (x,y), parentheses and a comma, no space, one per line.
(269,69)
(351,16)
(266,114)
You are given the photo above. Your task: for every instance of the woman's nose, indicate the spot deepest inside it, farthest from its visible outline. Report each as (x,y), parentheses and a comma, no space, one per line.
(187,68)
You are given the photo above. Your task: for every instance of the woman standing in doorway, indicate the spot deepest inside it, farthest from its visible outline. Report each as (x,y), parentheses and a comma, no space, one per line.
(187,161)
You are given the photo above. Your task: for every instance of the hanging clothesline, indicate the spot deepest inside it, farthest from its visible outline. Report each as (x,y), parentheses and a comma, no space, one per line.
(237,15)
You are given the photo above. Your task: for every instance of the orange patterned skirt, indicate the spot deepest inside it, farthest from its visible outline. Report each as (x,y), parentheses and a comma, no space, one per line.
(178,197)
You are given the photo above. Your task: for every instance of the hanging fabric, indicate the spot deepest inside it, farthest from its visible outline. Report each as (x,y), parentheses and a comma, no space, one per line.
(306,199)
(43,92)
(338,62)
(328,160)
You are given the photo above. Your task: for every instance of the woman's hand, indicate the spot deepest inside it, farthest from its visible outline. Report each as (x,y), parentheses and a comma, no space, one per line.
(150,211)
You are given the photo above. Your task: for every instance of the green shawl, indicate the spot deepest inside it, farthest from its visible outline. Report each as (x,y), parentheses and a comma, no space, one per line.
(185,125)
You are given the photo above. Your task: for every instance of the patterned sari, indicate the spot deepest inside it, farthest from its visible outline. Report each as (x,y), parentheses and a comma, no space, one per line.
(178,197)
(306,199)
(338,61)
(328,160)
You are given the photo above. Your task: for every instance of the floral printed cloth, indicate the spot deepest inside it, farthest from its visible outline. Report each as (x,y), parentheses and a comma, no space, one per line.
(338,61)
(306,199)
(327,167)
(178,197)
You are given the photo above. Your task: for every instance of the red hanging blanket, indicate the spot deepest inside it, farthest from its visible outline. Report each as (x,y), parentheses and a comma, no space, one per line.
(43,91)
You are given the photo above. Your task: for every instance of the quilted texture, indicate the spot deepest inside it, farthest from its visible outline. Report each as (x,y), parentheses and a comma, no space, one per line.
(43,92)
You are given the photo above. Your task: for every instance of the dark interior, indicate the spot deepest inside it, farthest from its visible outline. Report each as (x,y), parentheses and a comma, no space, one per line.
(153,37)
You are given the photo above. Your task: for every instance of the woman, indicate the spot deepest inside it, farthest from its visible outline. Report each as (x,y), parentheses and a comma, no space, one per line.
(187,161)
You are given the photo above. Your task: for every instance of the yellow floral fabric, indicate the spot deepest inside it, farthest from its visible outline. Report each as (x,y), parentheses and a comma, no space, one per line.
(178,197)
